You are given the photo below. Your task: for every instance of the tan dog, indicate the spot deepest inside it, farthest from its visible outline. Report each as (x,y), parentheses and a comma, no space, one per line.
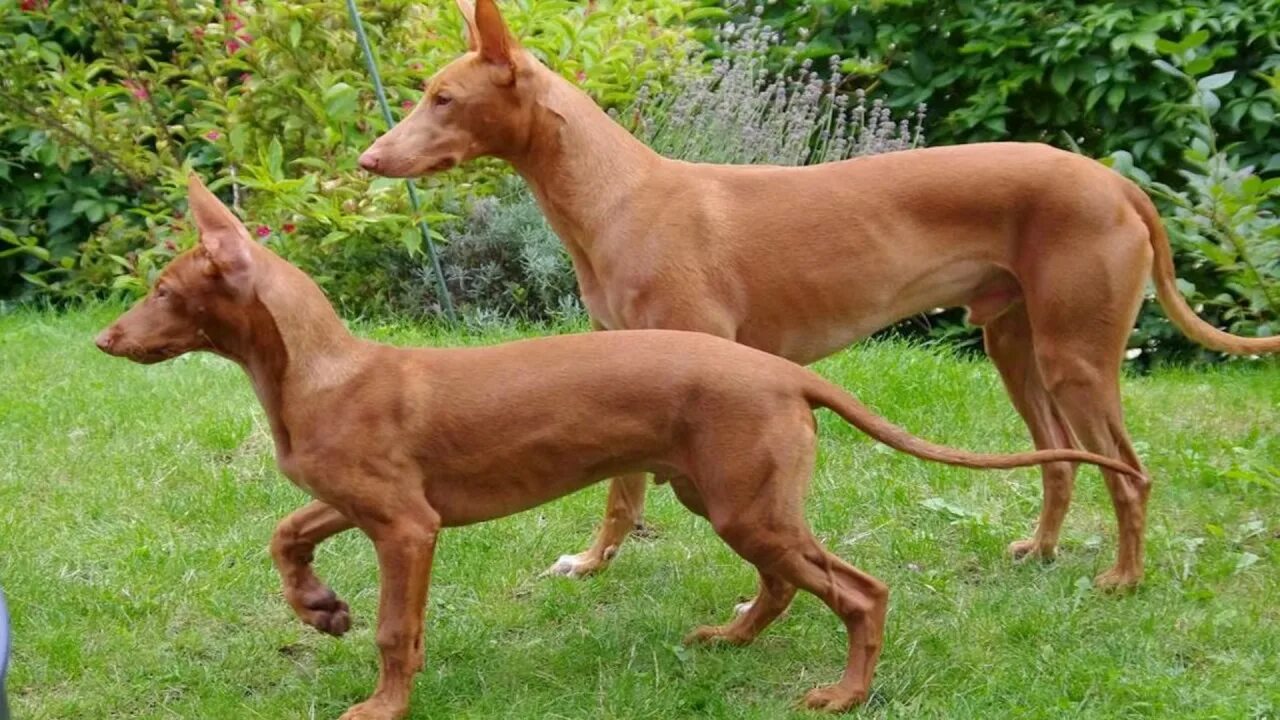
(1049,251)
(401,443)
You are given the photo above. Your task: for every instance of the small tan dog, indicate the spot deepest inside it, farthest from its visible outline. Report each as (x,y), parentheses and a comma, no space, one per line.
(1048,250)
(400,443)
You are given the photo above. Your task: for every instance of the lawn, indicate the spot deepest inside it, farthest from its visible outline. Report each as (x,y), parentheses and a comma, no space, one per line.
(136,504)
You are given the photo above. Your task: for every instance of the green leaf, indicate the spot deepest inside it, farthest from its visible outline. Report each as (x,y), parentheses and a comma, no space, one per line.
(1262,111)
(707,14)
(1210,101)
(1215,81)
(1115,96)
(1198,66)
(340,101)
(275,159)
(1061,78)
(1193,41)
(295,33)
(897,77)
(1166,67)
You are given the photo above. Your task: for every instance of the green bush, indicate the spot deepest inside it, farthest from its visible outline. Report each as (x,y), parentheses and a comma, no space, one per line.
(105,106)
(1065,72)
(1221,222)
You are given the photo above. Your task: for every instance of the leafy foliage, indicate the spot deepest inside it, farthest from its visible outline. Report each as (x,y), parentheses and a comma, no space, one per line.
(1059,71)
(105,106)
(1221,221)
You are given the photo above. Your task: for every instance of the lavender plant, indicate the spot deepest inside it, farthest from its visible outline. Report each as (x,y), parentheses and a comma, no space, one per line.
(741,112)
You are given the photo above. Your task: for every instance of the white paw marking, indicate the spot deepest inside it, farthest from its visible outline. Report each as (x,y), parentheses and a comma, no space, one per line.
(742,607)
(567,566)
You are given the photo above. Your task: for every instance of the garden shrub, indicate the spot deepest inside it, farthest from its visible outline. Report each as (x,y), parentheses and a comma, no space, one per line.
(1220,217)
(104,106)
(1070,73)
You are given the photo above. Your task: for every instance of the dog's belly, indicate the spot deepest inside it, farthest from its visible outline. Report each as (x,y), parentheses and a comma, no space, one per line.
(852,312)
(469,498)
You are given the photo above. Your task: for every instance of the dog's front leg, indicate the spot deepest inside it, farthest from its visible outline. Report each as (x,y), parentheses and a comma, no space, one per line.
(292,549)
(405,545)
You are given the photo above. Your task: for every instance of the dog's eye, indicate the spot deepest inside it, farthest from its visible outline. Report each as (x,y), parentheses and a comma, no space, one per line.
(441,99)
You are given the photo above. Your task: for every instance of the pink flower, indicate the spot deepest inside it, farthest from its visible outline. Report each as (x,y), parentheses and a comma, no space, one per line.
(245,78)
(289,227)
(263,231)
(235,22)
(233,46)
(407,104)
(581,75)
(213,135)
(137,89)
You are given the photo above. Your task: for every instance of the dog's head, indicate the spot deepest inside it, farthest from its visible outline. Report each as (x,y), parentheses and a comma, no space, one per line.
(479,104)
(199,291)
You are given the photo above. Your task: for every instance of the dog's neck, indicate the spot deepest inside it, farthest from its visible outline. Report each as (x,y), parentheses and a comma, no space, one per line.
(580,164)
(289,341)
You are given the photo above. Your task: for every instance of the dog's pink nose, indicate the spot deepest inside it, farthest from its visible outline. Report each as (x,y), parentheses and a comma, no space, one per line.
(369,161)
(105,340)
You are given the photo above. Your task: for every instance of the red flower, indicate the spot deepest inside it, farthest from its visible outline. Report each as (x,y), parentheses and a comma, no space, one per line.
(30,5)
(233,46)
(235,22)
(289,227)
(263,231)
(213,135)
(137,89)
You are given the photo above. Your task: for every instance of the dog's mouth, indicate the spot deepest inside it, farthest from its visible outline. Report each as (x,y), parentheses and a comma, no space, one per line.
(147,356)
(448,163)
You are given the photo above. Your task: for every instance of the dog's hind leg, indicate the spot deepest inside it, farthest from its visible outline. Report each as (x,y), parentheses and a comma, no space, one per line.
(1082,303)
(1009,344)
(292,549)
(774,597)
(784,548)
(755,502)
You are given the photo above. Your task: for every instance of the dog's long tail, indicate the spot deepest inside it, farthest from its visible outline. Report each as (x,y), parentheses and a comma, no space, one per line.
(1171,299)
(821,393)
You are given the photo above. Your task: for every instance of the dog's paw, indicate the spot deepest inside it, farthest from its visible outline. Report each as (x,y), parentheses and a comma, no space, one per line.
(321,609)
(834,698)
(375,709)
(1118,580)
(714,634)
(1031,549)
(580,565)
(743,608)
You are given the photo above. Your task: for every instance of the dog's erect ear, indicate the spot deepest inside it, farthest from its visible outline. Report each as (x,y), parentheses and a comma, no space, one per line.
(469,20)
(495,40)
(223,237)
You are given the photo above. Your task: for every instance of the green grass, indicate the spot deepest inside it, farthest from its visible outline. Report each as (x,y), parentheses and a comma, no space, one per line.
(136,504)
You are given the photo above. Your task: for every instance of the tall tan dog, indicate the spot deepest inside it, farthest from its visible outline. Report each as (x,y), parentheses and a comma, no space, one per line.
(401,443)
(1049,251)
